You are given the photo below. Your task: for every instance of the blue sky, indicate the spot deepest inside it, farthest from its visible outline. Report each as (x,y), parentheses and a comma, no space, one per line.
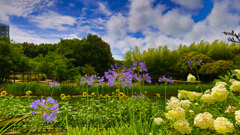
(123,23)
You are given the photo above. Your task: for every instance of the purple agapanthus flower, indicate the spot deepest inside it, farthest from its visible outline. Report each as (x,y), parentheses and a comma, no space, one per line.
(138,96)
(48,108)
(54,84)
(143,76)
(140,66)
(192,64)
(92,80)
(166,80)
(119,76)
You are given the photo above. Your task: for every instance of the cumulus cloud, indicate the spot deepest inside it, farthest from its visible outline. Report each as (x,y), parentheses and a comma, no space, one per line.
(21,8)
(175,24)
(191,4)
(142,14)
(52,20)
(115,26)
(103,9)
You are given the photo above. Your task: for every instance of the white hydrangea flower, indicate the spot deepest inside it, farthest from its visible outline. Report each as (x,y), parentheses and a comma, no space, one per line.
(172,103)
(237,117)
(223,125)
(230,109)
(204,120)
(182,126)
(193,95)
(220,83)
(177,113)
(219,92)
(232,80)
(191,78)
(235,86)
(158,121)
(182,94)
(238,73)
(185,104)
(207,98)
(207,92)
(191,111)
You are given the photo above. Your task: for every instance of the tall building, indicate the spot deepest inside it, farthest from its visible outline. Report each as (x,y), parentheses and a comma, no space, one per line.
(4,30)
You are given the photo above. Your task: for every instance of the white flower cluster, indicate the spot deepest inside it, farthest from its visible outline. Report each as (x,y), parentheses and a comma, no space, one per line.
(185,104)
(230,109)
(204,120)
(172,103)
(177,113)
(207,98)
(193,95)
(235,86)
(191,78)
(238,73)
(223,125)
(182,126)
(158,121)
(237,117)
(219,92)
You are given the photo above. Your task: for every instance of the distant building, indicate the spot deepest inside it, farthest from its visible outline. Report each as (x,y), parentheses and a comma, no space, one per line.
(4,30)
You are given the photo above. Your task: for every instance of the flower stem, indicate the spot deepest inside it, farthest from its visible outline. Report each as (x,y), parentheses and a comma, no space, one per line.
(199,80)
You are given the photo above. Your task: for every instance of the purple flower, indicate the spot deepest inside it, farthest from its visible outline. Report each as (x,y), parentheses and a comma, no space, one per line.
(48,108)
(166,80)
(54,84)
(192,64)
(119,76)
(139,66)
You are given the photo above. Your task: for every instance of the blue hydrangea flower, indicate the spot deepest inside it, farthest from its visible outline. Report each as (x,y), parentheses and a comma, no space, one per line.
(48,108)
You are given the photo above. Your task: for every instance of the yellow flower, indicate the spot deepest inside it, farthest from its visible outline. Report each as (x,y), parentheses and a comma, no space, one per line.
(3,93)
(117,90)
(158,95)
(84,94)
(28,92)
(106,95)
(62,96)
(121,94)
(93,93)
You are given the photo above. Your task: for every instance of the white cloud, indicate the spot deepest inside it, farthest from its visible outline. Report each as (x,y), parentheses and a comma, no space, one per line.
(52,20)
(175,24)
(103,9)
(115,26)
(21,8)
(20,36)
(71,5)
(142,14)
(117,57)
(192,4)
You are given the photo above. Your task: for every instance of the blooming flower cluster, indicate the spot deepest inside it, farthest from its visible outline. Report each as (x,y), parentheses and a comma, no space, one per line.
(193,95)
(223,125)
(166,80)
(48,108)
(92,80)
(235,86)
(207,98)
(172,103)
(219,92)
(238,73)
(192,64)
(54,84)
(177,113)
(158,121)
(230,109)
(185,104)
(237,117)
(204,120)
(139,66)
(182,126)
(191,78)
(119,76)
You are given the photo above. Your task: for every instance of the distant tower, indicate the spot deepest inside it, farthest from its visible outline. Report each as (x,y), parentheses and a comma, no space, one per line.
(4,30)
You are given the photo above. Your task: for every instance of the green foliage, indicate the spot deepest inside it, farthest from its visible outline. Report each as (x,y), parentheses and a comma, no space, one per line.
(219,67)
(182,64)
(42,77)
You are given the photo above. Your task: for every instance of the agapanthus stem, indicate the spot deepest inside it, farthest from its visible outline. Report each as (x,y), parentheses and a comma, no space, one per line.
(165,95)
(199,80)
